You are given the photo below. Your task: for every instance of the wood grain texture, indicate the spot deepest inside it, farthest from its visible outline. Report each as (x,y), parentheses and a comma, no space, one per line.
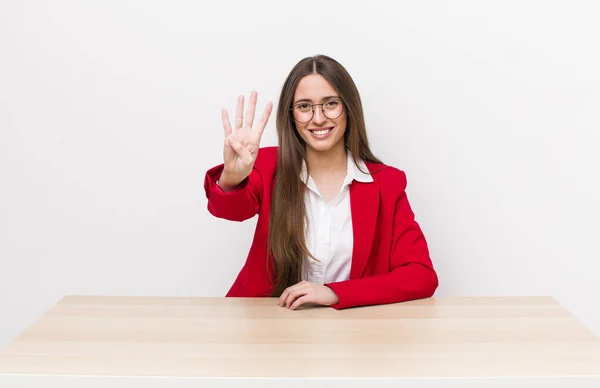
(228,337)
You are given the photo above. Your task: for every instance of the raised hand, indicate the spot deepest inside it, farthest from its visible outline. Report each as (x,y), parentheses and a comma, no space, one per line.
(242,142)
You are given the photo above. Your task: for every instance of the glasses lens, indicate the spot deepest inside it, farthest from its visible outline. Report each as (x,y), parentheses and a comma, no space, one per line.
(303,112)
(333,108)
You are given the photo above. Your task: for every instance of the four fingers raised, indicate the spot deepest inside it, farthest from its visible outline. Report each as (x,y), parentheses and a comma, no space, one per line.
(237,142)
(250,113)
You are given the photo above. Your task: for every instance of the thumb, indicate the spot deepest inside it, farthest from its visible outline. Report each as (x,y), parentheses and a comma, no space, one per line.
(242,152)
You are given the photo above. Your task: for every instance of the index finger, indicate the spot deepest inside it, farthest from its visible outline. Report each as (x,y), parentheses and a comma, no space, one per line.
(262,123)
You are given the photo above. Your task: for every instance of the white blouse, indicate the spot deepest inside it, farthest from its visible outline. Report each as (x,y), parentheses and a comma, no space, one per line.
(329,230)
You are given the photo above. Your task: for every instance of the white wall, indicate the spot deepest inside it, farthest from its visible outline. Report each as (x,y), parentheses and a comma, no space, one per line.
(110,115)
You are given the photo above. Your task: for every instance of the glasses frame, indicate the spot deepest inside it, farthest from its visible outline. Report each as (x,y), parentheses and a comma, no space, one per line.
(312,106)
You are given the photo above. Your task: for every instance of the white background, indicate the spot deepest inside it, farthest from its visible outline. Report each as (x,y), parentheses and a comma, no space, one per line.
(110,116)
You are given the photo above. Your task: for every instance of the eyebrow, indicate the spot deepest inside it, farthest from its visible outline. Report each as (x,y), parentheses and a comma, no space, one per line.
(309,100)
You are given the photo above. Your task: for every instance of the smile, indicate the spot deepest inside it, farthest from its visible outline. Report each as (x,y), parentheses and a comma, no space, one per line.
(321,131)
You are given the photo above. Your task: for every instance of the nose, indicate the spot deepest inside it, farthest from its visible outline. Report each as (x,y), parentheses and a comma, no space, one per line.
(318,116)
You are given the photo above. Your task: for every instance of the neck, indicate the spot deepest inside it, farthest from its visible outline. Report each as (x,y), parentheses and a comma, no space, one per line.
(327,161)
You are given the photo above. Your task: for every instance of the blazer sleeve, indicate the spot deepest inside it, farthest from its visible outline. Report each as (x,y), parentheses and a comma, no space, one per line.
(237,205)
(412,275)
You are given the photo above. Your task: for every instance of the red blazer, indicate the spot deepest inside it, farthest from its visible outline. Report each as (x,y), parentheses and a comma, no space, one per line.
(390,259)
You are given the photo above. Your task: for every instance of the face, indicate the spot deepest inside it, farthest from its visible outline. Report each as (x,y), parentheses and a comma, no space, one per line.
(321,133)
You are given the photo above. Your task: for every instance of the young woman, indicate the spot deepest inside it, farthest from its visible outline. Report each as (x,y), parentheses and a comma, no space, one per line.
(335,227)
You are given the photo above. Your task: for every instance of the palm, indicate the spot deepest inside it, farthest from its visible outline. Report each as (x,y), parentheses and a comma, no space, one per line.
(242,143)
(250,140)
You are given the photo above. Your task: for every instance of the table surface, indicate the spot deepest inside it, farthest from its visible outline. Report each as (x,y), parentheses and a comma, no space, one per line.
(253,337)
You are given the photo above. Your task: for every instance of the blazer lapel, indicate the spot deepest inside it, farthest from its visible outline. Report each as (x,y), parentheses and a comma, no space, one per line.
(364,205)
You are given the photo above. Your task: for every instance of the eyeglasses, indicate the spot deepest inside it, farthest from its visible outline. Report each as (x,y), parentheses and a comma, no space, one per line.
(304,112)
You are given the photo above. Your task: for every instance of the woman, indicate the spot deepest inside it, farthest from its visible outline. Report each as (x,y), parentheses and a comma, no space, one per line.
(335,227)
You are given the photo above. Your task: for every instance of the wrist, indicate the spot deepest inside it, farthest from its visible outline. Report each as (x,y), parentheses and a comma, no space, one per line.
(334,298)
(227,182)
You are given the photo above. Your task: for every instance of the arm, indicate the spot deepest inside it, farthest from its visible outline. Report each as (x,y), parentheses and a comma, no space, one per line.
(412,275)
(239,204)
(238,194)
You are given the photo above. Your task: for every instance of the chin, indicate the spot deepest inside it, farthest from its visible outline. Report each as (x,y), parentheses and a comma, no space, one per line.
(322,147)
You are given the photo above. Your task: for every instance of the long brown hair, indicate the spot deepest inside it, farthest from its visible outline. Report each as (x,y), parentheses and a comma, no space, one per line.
(286,242)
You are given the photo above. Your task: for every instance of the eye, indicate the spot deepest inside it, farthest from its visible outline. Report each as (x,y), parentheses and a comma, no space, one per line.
(303,106)
(332,104)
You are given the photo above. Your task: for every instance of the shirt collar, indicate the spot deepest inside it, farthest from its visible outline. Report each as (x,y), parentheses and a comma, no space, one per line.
(355,173)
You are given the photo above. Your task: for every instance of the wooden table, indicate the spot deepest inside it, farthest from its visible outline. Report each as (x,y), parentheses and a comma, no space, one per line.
(94,341)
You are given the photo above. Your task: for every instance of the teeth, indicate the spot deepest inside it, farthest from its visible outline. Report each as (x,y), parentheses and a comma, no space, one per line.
(323,132)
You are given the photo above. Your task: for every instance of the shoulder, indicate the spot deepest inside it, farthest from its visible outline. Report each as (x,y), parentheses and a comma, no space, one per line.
(388,177)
